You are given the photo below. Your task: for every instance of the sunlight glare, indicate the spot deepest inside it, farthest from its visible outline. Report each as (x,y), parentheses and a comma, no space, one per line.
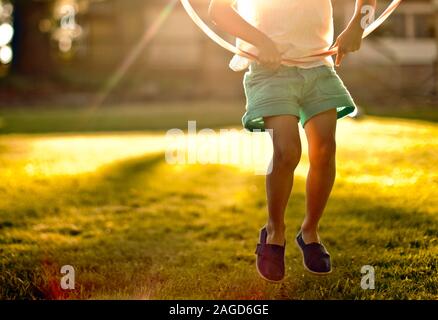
(82,154)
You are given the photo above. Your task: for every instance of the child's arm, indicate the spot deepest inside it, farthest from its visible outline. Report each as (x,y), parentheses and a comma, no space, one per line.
(227,19)
(350,39)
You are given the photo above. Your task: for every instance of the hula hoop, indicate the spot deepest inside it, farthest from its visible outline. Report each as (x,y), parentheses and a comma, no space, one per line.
(233,49)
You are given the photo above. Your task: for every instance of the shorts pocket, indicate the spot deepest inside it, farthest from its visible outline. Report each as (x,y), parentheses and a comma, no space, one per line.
(329,83)
(259,74)
(262,90)
(253,81)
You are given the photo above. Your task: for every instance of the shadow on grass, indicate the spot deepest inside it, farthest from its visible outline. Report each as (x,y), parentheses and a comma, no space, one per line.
(135,230)
(30,273)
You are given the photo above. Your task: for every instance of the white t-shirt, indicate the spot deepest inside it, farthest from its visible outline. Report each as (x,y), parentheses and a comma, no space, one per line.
(299,28)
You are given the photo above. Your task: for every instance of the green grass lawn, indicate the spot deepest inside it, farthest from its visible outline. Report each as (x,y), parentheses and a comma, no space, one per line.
(151,116)
(135,227)
(156,116)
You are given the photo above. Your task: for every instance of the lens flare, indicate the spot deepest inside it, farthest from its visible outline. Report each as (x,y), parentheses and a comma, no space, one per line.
(148,35)
(6,34)
(6,55)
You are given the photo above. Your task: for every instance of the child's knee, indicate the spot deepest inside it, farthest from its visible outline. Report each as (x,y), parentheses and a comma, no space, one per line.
(323,154)
(287,158)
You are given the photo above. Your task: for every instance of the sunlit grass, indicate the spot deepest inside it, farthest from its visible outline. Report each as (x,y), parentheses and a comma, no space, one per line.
(134,226)
(73,154)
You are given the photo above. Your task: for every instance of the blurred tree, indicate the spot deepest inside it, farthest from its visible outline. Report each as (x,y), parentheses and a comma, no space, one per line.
(435,5)
(32,52)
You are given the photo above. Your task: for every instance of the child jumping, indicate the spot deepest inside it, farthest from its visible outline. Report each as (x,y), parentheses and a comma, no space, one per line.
(279,97)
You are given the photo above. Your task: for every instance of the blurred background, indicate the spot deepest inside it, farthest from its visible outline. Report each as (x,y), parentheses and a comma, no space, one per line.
(65,52)
(88,90)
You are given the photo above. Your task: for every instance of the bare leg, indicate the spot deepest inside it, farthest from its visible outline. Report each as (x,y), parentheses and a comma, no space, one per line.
(287,154)
(321,135)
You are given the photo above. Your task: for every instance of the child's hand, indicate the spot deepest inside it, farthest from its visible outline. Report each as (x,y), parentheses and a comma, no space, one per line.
(348,41)
(269,56)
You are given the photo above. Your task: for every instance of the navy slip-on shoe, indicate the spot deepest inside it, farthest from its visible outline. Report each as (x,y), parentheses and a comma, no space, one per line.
(270,259)
(316,259)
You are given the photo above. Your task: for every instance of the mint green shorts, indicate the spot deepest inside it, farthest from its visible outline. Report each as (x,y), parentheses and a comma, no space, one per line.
(303,93)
